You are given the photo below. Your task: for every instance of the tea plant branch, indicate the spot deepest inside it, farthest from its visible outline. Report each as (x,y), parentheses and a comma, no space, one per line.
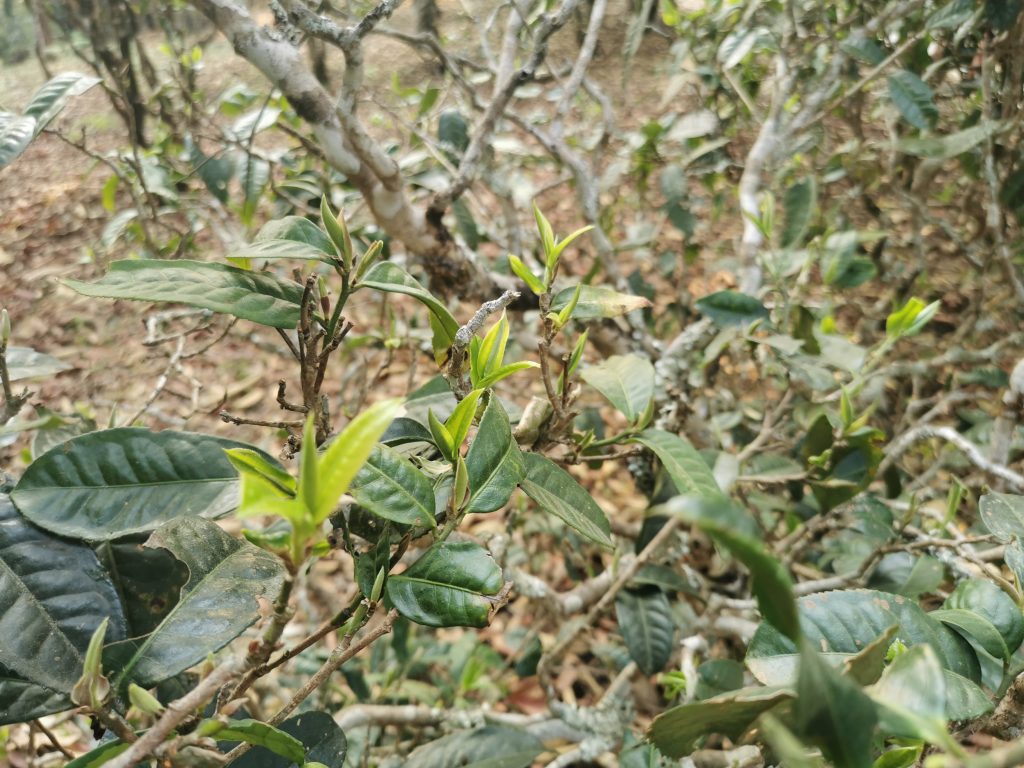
(260,653)
(52,738)
(972,452)
(176,713)
(343,653)
(625,574)
(507,80)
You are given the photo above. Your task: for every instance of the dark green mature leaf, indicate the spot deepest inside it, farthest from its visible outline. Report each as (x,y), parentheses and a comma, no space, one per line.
(53,595)
(799,202)
(833,712)
(391,487)
(16,132)
(49,100)
(25,363)
(676,730)
(255,296)
(557,492)
(682,463)
(448,586)
(645,622)
(226,576)
(844,622)
(103,485)
(258,734)
(597,302)
(388,277)
(494,461)
(405,430)
(320,735)
(726,308)
(493,746)
(984,598)
(1003,514)
(913,98)
(626,380)
(737,532)
(21,701)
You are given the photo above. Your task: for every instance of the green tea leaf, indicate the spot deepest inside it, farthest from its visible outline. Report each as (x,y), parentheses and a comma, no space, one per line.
(103,485)
(557,492)
(627,381)
(225,578)
(448,586)
(494,461)
(255,296)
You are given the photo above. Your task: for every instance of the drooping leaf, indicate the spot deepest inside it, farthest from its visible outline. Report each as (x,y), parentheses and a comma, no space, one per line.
(913,98)
(391,487)
(466,223)
(737,532)
(951,15)
(217,604)
(16,132)
(107,484)
(49,100)
(389,277)
(687,470)
(557,492)
(726,308)
(676,730)
(494,461)
(626,380)
(597,302)
(255,296)
(448,586)
(53,596)
(25,363)
(492,746)
(645,623)
(323,740)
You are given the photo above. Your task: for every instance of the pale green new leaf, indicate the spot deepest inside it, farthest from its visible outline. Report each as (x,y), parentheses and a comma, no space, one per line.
(345,454)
